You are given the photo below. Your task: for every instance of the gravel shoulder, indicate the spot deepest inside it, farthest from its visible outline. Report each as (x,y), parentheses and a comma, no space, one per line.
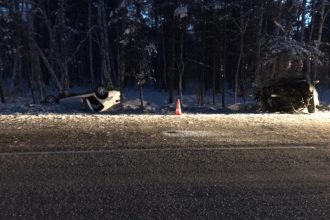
(51,132)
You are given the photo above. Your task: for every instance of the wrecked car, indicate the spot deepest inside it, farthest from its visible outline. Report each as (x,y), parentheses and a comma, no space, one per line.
(289,95)
(99,100)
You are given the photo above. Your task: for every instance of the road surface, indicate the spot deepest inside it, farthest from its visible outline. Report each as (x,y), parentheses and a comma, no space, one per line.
(157,167)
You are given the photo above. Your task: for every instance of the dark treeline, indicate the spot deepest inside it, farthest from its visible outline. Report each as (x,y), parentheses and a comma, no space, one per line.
(174,45)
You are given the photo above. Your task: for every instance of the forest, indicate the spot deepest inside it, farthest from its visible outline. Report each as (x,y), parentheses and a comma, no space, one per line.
(176,46)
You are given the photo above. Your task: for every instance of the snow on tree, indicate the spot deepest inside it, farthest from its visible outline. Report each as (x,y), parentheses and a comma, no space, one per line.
(284,57)
(181,11)
(276,46)
(138,48)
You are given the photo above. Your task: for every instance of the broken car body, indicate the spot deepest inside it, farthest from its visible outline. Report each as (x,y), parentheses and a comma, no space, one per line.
(289,95)
(98,101)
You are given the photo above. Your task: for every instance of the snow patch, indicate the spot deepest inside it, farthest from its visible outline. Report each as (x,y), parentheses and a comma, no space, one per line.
(181,11)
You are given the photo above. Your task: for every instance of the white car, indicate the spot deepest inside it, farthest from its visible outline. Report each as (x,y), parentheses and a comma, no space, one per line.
(99,101)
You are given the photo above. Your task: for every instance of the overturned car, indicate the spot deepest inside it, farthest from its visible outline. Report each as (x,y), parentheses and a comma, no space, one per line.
(99,100)
(289,95)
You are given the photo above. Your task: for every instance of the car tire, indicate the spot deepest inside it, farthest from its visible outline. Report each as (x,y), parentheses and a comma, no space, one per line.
(50,99)
(311,107)
(101,92)
(265,107)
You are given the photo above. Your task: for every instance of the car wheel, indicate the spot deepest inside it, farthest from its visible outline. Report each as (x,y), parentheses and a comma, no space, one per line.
(311,106)
(50,99)
(264,102)
(101,92)
(264,106)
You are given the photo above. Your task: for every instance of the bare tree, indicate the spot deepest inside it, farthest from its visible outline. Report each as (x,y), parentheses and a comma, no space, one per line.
(181,14)
(171,68)
(104,45)
(303,20)
(242,27)
(2,96)
(181,66)
(90,45)
(261,14)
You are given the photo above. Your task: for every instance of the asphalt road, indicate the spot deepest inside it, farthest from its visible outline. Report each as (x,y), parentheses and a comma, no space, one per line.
(186,181)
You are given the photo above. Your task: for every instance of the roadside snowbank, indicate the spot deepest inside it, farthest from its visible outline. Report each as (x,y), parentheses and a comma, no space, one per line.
(155,102)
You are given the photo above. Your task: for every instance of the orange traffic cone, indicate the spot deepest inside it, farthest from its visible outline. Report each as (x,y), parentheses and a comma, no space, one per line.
(178,107)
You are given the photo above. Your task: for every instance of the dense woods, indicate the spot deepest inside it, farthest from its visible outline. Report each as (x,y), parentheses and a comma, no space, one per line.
(178,46)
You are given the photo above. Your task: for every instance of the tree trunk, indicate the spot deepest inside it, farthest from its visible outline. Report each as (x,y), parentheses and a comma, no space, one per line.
(310,38)
(30,82)
(303,20)
(182,68)
(141,96)
(104,46)
(2,96)
(214,72)
(52,42)
(62,52)
(258,49)
(236,76)
(65,82)
(202,82)
(223,62)
(35,68)
(202,77)
(158,39)
(39,78)
(171,71)
(321,24)
(122,79)
(20,66)
(90,45)
(279,18)
(48,65)
(108,51)
(14,74)
(36,72)
(224,84)
(164,61)
(243,27)
(323,16)
(121,71)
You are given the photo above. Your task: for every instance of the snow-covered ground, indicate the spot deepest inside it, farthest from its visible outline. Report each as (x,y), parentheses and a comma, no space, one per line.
(87,131)
(24,124)
(155,102)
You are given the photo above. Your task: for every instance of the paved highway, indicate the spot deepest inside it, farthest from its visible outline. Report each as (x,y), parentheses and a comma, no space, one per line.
(290,183)
(67,169)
